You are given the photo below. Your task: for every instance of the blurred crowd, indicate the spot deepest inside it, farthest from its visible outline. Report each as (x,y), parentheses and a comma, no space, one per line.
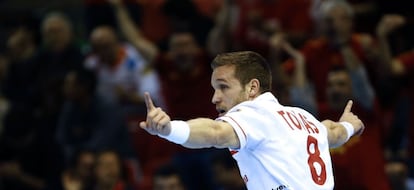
(70,103)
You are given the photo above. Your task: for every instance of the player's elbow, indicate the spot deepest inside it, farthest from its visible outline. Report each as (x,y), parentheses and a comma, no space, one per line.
(224,136)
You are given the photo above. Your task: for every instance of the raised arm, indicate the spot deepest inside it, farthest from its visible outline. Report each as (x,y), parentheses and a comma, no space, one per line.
(132,32)
(301,92)
(219,37)
(387,25)
(349,125)
(195,133)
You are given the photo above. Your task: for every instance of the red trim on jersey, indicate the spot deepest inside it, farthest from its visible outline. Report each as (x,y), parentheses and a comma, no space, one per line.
(233,152)
(245,136)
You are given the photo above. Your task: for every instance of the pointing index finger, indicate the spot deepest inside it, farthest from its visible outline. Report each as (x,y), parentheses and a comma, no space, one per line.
(148,101)
(348,107)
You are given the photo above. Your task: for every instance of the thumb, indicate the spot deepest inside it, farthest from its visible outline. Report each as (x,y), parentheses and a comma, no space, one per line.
(143,124)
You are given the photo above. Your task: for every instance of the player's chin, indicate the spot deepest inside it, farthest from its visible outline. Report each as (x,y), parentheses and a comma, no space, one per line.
(221,112)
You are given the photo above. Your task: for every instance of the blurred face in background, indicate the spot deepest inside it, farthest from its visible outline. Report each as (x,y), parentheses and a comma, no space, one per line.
(339,89)
(183,49)
(56,33)
(86,161)
(21,44)
(171,182)
(337,21)
(105,44)
(108,168)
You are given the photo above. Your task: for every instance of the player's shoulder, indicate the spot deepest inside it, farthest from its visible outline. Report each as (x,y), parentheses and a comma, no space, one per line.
(264,100)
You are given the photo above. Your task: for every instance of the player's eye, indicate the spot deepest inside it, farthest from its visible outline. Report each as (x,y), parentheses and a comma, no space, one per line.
(223,87)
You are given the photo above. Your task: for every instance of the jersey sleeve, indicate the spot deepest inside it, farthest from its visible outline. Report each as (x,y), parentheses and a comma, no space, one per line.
(245,121)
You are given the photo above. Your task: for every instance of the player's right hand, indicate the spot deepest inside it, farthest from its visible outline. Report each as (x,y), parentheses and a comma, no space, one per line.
(158,122)
(350,117)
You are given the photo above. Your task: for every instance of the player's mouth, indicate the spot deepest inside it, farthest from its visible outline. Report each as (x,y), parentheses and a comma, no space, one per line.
(221,111)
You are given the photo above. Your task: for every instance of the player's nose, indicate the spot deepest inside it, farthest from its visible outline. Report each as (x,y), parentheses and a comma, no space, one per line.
(216,97)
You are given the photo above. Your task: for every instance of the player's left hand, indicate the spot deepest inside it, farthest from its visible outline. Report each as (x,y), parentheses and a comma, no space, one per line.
(350,117)
(158,122)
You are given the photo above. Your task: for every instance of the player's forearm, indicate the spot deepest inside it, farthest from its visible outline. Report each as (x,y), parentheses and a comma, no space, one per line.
(206,133)
(202,133)
(337,134)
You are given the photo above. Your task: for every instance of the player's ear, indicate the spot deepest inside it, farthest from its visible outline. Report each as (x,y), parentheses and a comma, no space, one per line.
(254,88)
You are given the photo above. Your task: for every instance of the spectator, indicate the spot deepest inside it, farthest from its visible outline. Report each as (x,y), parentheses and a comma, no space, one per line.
(15,94)
(29,155)
(89,122)
(183,70)
(338,46)
(109,172)
(21,48)
(57,56)
(184,62)
(400,68)
(360,163)
(78,175)
(248,25)
(123,73)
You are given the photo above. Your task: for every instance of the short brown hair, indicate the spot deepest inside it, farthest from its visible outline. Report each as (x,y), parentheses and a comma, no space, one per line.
(249,65)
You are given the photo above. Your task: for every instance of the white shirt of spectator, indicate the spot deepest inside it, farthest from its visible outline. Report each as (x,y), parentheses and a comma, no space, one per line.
(130,75)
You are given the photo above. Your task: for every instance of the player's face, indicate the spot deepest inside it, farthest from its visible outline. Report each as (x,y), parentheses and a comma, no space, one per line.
(228,91)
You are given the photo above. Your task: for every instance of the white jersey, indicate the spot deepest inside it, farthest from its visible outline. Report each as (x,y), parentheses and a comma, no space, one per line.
(280,147)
